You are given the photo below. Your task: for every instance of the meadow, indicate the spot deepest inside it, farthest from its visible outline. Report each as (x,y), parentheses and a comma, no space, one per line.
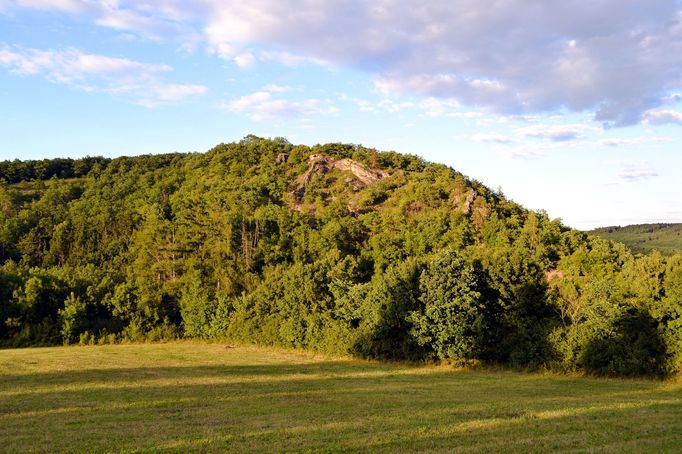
(183,396)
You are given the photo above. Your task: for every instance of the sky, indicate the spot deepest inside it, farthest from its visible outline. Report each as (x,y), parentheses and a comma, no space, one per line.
(570,106)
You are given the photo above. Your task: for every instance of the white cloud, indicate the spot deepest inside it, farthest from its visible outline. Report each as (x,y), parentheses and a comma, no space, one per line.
(521,152)
(140,82)
(291,60)
(71,6)
(275,88)
(554,133)
(616,58)
(617,142)
(491,138)
(72,65)
(632,173)
(658,117)
(245,60)
(170,93)
(364,105)
(154,20)
(434,107)
(381,106)
(125,20)
(262,105)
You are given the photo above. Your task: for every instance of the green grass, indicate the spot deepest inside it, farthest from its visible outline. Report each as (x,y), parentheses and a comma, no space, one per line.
(643,238)
(181,397)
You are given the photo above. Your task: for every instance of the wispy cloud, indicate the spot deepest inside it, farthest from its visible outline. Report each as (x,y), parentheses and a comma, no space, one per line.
(290,59)
(139,82)
(276,88)
(659,117)
(157,20)
(492,138)
(169,93)
(71,6)
(633,173)
(617,142)
(554,133)
(521,152)
(263,105)
(435,107)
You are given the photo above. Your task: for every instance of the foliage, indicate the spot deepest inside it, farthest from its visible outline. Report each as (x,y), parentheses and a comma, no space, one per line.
(456,317)
(375,254)
(644,238)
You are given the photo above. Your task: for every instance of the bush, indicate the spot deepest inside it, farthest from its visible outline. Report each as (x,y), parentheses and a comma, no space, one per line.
(455,318)
(632,347)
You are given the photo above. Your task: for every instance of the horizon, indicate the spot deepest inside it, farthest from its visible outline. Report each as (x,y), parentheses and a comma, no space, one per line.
(570,109)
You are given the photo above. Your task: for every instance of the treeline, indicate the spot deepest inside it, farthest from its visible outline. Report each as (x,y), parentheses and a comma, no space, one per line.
(380,255)
(17,171)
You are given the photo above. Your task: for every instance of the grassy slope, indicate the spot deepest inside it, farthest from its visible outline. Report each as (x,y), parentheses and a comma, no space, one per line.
(666,238)
(184,396)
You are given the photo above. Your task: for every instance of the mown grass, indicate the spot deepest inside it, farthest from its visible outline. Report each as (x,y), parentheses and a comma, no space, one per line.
(181,397)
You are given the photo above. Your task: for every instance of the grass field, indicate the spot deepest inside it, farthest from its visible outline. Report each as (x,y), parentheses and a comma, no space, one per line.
(181,397)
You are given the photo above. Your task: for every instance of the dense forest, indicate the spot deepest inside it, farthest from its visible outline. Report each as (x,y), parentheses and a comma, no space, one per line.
(334,248)
(645,238)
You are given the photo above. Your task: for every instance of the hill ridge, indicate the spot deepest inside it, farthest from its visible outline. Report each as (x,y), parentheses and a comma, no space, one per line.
(382,255)
(644,238)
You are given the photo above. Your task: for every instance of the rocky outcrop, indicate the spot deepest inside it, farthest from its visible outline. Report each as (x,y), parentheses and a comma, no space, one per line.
(361,173)
(554,274)
(323,164)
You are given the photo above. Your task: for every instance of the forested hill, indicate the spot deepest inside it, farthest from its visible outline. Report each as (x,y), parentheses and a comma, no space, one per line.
(336,248)
(666,238)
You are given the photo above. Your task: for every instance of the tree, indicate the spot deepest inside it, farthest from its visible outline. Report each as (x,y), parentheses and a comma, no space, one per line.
(455,317)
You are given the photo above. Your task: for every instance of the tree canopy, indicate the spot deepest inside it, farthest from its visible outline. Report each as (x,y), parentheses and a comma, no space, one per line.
(337,248)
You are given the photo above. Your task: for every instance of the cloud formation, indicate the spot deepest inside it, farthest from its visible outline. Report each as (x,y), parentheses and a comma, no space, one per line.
(617,58)
(491,138)
(659,117)
(635,173)
(140,82)
(264,105)
(617,142)
(562,133)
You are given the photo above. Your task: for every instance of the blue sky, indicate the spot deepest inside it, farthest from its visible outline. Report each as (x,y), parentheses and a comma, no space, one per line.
(574,107)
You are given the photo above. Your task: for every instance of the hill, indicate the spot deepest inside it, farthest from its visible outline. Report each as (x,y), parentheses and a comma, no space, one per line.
(335,248)
(644,238)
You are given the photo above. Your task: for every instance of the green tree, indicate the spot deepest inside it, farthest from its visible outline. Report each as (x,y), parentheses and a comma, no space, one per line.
(455,318)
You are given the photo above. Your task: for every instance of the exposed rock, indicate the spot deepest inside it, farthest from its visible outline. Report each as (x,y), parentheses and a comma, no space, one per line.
(551,275)
(323,164)
(464,201)
(469,201)
(363,174)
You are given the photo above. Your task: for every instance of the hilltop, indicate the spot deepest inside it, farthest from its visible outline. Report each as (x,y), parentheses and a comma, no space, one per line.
(644,238)
(335,248)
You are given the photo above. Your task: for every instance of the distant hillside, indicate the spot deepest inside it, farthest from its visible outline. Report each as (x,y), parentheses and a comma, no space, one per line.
(666,238)
(335,248)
